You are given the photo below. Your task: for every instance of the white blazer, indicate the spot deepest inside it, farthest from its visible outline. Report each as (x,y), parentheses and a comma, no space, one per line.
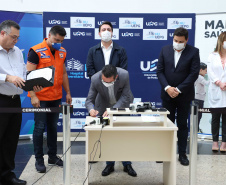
(216,97)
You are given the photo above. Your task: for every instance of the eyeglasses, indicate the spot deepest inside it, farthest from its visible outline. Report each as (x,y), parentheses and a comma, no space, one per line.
(14,37)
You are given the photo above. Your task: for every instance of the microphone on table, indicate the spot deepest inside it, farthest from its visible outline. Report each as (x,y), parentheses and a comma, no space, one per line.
(95,121)
(105,121)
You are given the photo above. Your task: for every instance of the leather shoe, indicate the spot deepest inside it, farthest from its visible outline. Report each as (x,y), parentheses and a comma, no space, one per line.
(183,159)
(16,181)
(108,169)
(128,168)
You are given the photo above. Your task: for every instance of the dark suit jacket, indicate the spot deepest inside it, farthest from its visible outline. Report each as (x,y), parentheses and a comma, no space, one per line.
(183,76)
(98,97)
(95,59)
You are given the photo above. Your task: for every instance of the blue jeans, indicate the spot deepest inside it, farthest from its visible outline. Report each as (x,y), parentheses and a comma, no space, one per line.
(124,163)
(41,121)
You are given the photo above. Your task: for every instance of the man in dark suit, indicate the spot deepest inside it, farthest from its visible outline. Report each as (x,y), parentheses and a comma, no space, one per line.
(110,88)
(177,70)
(106,52)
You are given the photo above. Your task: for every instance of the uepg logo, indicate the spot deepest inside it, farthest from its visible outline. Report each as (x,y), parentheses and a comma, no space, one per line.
(74,65)
(151,23)
(101,22)
(78,113)
(54,21)
(174,23)
(150,66)
(127,34)
(78,33)
(149,69)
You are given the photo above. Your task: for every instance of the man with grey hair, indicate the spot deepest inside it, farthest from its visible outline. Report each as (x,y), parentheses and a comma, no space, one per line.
(12,75)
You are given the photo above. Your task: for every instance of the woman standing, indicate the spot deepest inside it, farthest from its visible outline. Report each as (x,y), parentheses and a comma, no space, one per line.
(217,90)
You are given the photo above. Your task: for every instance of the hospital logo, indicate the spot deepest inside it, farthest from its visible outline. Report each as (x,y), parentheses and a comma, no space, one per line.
(131,23)
(155,34)
(82,22)
(74,65)
(174,23)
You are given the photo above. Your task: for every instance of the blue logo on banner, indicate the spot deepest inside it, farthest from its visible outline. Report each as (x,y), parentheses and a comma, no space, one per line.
(127,34)
(54,21)
(76,69)
(131,24)
(74,65)
(177,24)
(150,69)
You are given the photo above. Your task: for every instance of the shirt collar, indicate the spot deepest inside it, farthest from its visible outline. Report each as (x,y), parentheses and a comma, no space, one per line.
(11,50)
(102,46)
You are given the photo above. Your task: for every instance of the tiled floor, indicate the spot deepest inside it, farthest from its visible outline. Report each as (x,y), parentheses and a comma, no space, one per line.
(205,155)
(25,150)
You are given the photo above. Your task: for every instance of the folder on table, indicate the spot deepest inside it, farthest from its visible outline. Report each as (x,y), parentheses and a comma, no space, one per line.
(43,77)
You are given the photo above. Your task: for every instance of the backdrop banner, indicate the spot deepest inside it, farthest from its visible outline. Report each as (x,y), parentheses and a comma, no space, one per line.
(142,35)
(31,33)
(208,28)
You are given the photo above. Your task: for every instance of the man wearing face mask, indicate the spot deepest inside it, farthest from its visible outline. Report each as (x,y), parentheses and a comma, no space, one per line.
(177,70)
(110,88)
(106,52)
(48,53)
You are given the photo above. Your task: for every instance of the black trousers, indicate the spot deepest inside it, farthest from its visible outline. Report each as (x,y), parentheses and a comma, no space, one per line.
(10,124)
(182,108)
(200,103)
(215,125)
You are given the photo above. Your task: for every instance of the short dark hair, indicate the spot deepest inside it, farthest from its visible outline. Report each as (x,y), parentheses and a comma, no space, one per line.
(109,71)
(7,24)
(108,23)
(58,30)
(203,66)
(181,32)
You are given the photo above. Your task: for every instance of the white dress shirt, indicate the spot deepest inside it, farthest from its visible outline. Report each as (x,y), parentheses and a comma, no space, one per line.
(107,53)
(177,56)
(11,63)
(176,59)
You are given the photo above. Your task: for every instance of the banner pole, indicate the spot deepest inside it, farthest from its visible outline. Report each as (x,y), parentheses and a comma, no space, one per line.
(193,144)
(66,144)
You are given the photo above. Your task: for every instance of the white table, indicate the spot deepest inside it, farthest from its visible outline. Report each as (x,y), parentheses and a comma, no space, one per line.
(162,115)
(135,141)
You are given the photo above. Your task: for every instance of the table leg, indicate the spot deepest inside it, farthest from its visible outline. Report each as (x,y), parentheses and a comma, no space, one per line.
(87,159)
(169,168)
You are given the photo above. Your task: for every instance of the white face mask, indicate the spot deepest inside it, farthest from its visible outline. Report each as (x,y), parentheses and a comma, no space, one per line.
(224,44)
(106,36)
(178,46)
(108,84)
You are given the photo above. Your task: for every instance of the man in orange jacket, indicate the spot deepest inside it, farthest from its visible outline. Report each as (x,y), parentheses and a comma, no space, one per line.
(48,53)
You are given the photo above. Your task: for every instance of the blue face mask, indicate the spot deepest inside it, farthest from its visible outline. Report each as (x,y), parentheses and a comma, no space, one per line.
(56,46)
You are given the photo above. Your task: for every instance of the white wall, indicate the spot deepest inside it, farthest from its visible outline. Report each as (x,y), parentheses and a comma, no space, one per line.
(115,6)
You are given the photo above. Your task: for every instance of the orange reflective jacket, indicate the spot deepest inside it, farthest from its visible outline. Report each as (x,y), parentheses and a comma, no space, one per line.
(47,59)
